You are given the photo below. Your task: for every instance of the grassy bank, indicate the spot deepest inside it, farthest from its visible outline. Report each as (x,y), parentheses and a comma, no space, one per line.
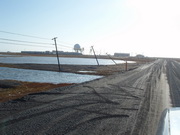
(10,89)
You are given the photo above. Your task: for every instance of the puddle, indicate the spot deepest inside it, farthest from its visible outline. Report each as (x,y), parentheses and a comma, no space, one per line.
(43,76)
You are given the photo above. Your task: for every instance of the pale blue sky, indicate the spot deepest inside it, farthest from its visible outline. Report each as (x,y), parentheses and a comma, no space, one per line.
(150,27)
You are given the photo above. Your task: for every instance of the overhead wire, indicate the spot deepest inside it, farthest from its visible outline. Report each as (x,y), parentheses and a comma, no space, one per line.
(12,40)
(23,35)
(60,45)
(31,36)
(24,44)
(65,42)
(23,41)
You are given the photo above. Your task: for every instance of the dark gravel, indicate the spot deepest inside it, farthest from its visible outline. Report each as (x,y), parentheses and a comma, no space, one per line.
(125,103)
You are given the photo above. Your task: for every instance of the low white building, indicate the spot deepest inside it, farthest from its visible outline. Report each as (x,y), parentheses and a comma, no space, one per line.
(121,54)
(140,56)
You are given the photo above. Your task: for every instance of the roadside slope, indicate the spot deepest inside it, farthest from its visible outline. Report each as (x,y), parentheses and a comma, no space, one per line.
(174,81)
(118,104)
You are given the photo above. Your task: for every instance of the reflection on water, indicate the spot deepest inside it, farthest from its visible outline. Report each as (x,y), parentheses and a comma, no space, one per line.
(43,76)
(53,60)
(6,55)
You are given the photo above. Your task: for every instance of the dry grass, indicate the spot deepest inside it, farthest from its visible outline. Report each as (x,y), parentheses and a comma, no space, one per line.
(25,88)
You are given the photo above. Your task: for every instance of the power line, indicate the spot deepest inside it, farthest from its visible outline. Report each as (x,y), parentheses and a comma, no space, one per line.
(32,37)
(24,41)
(32,42)
(12,40)
(23,35)
(67,44)
(32,45)
(64,46)
(64,42)
(23,44)
(29,42)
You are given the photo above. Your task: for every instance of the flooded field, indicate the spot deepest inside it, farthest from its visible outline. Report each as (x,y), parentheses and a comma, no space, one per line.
(19,67)
(53,60)
(43,76)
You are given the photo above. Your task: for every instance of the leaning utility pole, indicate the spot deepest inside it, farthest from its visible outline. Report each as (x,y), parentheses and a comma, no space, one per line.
(95,55)
(111,58)
(57,53)
(126,65)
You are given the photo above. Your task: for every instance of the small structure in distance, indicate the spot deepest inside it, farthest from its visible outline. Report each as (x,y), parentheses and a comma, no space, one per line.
(121,55)
(140,56)
(77,48)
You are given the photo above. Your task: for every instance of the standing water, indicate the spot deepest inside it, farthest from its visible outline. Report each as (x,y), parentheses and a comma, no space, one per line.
(43,76)
(63,60)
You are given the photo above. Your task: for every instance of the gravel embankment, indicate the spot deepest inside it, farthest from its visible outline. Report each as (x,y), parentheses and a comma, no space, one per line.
(125,103)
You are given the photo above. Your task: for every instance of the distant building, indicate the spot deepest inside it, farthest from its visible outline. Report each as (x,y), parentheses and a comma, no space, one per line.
(77,48)
(121,54)
(140,56)
(49,52)
(71,53)
(59,52)
(33,52)
(66,53)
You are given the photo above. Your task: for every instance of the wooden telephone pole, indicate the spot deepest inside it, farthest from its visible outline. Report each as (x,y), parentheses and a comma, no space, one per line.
(57,53)
(95,55)
(111,58)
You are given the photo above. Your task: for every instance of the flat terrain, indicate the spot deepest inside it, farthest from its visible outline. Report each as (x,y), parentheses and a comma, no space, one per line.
(10,89)
(104,70)
(122,103)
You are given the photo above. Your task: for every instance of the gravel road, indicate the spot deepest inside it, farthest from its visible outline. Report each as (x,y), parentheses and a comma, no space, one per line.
(125,103)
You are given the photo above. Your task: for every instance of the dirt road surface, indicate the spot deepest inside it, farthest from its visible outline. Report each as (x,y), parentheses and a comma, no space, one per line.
(127,103)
